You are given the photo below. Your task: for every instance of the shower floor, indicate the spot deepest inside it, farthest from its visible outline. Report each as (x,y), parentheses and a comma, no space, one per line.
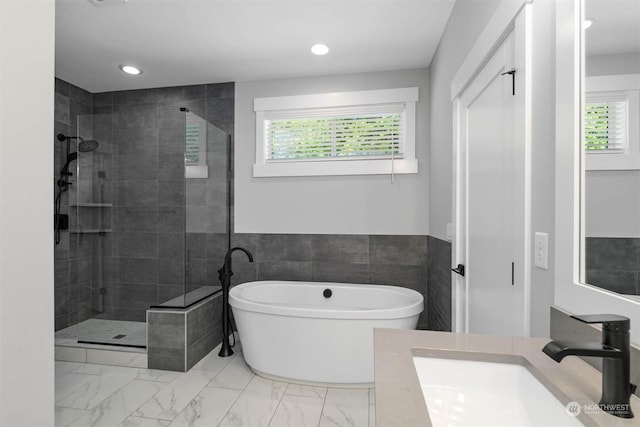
(101,331)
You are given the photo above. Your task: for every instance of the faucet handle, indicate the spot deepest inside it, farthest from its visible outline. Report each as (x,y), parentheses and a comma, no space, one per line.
(610,322)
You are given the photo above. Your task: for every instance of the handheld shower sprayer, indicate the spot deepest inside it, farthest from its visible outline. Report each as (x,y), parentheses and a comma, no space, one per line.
(83,146)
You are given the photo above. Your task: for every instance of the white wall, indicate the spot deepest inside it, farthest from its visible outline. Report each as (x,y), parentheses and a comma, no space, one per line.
(612,203)
(26,212)
(336,204)
(606,65)
(468,19)
(543,158)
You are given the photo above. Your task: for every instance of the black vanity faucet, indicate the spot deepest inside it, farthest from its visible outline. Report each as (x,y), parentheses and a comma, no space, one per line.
(614,349)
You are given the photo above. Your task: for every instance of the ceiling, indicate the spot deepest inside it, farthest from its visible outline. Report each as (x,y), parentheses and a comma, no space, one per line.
(616,29)
(183,42)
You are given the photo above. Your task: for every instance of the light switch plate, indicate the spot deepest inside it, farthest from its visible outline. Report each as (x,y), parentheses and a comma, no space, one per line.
(541,251)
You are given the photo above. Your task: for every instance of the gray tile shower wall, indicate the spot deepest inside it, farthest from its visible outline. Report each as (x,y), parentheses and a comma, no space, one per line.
(375,259)
(439,287)
(614,264)
(73,256)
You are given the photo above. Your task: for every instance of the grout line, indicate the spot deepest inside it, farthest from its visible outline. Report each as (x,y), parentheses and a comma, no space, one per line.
(233,404)
(324,403)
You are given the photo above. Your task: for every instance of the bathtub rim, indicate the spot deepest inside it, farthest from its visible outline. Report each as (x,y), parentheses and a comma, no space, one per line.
(414,308)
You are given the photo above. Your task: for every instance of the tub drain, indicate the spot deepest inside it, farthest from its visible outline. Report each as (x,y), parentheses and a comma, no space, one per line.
(327,293)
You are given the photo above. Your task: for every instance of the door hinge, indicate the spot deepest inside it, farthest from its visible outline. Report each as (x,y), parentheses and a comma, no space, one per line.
(513,79)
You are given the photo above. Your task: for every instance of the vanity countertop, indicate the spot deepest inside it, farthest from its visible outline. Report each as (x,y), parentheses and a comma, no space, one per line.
(399,400)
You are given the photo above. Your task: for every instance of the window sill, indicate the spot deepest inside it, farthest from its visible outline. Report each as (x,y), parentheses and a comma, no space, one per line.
(329,168)
(604,161)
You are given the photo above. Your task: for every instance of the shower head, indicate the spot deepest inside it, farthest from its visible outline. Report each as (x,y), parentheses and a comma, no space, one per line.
(87,145)
(84,146)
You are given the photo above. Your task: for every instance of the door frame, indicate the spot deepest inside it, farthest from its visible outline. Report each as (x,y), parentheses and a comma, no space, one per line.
(510,16)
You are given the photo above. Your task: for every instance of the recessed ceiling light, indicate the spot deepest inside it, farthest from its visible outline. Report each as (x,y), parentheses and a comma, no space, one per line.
(320,49)
(130,69)
(588,22)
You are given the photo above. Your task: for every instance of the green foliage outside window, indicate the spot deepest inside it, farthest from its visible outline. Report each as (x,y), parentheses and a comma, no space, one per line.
(334,137)
(596,129)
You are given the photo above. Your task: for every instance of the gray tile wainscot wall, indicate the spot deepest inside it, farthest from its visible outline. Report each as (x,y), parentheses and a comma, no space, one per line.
(360,259)
(439,285)
(178,338)
(563,327)
(614,264)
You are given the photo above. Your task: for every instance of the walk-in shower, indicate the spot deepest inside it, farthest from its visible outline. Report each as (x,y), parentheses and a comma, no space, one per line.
(148,209)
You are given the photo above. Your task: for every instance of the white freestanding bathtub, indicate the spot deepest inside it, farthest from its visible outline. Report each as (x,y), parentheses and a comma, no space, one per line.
(315,332)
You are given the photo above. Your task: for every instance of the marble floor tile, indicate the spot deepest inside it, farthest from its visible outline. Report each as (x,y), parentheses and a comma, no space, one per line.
(66,416)
(213,362)
(177,394)
(219,392)
(117,358)
(157,375)
(306,390)
(119,405)
(346,408)
(62,368)
(297,411)
(256,405)
(91,369)
(143,422)
(208,408)
(235,375)
(70,383)
(96,390)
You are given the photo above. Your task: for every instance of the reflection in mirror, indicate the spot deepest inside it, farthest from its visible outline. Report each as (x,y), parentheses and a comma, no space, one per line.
(611,242)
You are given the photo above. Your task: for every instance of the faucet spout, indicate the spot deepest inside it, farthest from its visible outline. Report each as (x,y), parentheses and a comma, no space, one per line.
(615,353)
(558,350)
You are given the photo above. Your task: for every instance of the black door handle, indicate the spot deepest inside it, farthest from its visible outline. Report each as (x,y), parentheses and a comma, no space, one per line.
(459,270)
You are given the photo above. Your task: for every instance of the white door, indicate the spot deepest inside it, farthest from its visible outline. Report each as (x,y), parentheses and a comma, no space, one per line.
(492,212)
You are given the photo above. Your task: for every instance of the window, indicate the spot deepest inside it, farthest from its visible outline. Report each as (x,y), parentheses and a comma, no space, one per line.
(195,145)
(349,133)
(605,123)
(612,122)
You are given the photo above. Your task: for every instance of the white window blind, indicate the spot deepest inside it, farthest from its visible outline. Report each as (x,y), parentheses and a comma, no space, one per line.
(606,123)
(335,134)
(344,133)
(195,152)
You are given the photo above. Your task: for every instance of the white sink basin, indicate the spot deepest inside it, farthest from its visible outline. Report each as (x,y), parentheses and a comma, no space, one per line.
(473,393)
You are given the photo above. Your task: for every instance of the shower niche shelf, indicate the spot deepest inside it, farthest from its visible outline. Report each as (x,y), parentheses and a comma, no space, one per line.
(91,205)
(91,231)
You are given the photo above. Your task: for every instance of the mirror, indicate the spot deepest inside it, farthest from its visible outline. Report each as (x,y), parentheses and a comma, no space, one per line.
(611,239)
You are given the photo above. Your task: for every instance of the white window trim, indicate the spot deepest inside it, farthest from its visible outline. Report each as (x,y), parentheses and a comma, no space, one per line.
(408,164)
(630,160)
